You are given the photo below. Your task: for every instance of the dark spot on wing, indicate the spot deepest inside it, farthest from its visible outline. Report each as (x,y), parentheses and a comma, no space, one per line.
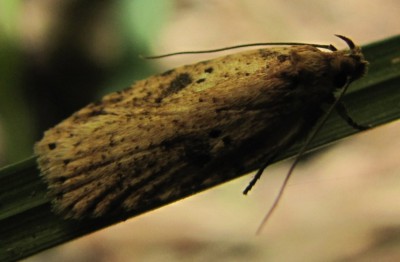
(179,83)
(52,146)
(61,179)
(209,70)
(97,112)
(282,58)
(201,80)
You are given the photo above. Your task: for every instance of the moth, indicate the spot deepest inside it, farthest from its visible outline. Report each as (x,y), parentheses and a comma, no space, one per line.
(187,129)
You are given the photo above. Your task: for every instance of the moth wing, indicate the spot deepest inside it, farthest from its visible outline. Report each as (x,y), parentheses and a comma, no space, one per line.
(167,137)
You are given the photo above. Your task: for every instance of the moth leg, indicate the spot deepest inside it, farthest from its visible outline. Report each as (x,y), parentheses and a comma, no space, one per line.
(259,173)
(343,113)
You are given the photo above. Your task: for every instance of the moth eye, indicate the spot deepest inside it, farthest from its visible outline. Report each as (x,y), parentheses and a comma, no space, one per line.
(340,79)
(360,68)
(346,69)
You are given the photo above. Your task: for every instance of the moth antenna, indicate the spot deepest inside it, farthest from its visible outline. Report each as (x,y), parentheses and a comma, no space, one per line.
(348,41)
(332,48)
(329,47)
(301,153)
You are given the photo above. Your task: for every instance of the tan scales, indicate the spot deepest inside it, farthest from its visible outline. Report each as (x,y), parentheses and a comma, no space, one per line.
(167,135)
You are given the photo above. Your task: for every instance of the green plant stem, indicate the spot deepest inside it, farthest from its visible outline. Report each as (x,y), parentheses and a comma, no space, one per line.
(27,225)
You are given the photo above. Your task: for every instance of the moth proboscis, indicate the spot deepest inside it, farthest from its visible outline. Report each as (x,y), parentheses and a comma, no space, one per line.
(187,129)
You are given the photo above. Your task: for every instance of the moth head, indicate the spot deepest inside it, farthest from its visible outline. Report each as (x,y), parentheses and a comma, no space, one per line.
(349,64)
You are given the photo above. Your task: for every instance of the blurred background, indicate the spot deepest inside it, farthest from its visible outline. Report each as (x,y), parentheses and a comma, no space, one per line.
(342,203)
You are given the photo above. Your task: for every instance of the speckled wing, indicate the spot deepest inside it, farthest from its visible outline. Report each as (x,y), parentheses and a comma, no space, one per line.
(173,134)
